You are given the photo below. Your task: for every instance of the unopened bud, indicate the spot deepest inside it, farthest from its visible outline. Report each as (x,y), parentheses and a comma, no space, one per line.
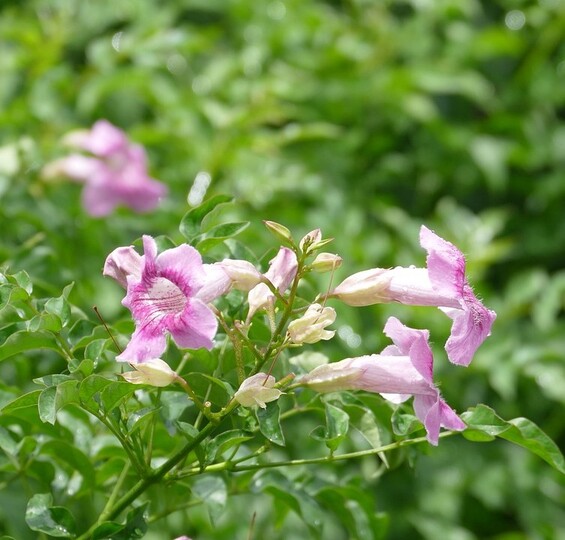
(326,262)
(154,372)
(364,288)
(243,275)
(310,239)
(280,231)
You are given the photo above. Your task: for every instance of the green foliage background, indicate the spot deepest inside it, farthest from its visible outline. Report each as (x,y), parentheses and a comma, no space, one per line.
(364,118)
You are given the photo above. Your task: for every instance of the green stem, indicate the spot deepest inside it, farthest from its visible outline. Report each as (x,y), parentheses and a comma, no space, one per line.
(158,474)
(232,467)
(115,491)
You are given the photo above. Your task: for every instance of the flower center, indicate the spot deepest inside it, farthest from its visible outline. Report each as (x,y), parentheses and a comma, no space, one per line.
(166,296)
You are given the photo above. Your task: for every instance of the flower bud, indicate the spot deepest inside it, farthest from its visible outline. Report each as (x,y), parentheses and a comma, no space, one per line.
(243,275)
(310,327)
(310,239)
(279,231)
(154,372)
(333,377)
(257,390)
(365,288)
(326,262)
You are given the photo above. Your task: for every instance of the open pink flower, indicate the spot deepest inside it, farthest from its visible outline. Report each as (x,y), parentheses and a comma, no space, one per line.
(442,284)
(166,294)
(402,370)
(115,174)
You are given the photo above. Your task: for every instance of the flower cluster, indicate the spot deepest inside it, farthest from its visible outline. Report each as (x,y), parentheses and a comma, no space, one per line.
(114,174)
(170,294)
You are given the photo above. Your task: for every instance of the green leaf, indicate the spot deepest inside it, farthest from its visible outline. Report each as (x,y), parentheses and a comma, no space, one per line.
(45,321)
(27,400)
(23,280)
(56,397)
(520,431)
(59,307)
(404,424)
(26,341)
(337,425)
(89,391)
(213,492)
(190,225)
(52,520)
(134,527)
(115,392)
(223,442)
(218,234)
(269,423)
(68,455)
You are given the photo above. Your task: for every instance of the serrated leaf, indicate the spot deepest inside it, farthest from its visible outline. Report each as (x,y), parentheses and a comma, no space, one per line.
(269,423)
(191,222)
(41,516)
(520,431)
(23,340)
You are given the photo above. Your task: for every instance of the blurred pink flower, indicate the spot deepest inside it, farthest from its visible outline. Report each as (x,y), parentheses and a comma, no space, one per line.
(166,294)
(442,284)
(115,174)
(402,370)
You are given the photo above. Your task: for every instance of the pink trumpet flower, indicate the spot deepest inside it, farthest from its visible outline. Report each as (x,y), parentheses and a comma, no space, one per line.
(402,370)
(442,284)
(166,294)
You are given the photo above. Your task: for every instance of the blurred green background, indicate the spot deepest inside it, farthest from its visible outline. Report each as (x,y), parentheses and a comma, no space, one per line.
(365,118)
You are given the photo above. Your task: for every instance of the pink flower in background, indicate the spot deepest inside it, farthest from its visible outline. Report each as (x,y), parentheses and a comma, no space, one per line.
(442,284)
(282,270)
(402,370)
(115,174)
(166,294)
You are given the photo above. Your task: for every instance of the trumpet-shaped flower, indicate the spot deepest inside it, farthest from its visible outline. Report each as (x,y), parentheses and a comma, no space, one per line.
(115,174)
(166,294)
(154,372)
(402,370)
(257,390)
(442,284)
(281,272)
(310,328)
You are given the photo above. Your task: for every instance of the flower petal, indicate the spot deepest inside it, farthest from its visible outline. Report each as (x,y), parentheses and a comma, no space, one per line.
(196,327)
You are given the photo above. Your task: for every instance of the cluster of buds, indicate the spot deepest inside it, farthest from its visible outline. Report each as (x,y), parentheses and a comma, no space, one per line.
(170,294)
